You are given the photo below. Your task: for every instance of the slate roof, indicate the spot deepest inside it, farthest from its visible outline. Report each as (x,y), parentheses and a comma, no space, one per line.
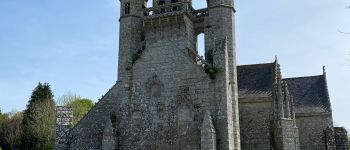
(255,79)
(310,94)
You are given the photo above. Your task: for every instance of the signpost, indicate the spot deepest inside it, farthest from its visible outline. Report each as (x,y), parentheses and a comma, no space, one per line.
(64,116)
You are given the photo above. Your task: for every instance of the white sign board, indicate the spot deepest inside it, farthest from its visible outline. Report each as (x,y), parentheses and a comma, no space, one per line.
(64,115)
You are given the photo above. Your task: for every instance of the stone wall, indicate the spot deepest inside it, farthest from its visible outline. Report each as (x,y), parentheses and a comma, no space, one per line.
(311,130)
(255,122)
(162,94)
(341,138)
(62,137)
(167,91)
(286,134)
(220,24)
(88,133)
(64,123)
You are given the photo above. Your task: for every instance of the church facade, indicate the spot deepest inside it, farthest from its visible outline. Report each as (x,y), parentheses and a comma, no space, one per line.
(169,97)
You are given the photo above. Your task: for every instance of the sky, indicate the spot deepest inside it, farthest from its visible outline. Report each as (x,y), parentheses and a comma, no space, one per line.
(73,45)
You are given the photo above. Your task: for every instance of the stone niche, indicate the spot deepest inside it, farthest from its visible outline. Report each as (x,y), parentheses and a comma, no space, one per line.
(154,87)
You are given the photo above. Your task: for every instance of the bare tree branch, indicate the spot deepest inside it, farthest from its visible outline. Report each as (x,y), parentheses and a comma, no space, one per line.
(343,32)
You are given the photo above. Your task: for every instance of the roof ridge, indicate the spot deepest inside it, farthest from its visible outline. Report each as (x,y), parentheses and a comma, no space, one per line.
(255,64)
(310,76)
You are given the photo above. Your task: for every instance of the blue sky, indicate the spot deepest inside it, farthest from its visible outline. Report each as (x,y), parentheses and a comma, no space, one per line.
(73,45)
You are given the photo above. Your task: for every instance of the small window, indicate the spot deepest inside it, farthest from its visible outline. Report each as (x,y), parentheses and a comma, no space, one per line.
(113,120)
(127,8)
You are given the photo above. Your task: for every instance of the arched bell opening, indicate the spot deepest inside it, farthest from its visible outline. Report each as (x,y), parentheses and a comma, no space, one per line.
(200,44)
(199,4)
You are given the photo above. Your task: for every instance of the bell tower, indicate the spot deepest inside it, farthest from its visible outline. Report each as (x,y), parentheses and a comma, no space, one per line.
(170,84)
(130,34)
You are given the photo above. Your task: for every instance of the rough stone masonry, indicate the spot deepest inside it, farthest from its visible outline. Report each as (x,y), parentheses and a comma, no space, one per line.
(167,97)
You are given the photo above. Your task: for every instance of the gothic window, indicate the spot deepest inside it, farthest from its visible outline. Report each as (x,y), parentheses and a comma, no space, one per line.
(184,119)
(184,115)
(127,8)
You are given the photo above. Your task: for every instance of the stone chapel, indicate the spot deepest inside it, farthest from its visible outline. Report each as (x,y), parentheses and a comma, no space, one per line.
(168,97)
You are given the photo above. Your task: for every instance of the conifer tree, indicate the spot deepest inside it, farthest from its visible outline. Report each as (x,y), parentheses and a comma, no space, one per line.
(39,120)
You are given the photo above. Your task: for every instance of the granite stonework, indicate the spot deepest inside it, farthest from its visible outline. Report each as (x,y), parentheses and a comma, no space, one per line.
(167,97)
(341,138)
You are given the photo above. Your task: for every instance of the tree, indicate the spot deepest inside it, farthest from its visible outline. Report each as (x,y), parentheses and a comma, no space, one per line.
(80,108)
(12,130)
(3,143)
(3,117)
(39,120)
(79,105)
(349,140)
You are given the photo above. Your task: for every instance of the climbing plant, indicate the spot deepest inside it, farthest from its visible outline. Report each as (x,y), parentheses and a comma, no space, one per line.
(211,71)
(135,57)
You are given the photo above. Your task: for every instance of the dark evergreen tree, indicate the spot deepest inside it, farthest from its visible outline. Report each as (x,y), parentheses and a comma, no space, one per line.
(39,120)
(3,143)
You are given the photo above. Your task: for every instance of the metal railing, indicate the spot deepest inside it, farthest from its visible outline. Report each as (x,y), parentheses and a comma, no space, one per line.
(168,8)
(175,8)
(200,12)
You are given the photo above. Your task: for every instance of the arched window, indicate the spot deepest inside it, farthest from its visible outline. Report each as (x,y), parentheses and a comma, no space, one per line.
(127,8)
(199,4)
(149,3)
(201,44)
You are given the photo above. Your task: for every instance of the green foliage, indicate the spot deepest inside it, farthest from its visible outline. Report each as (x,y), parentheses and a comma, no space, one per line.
(41,93)
(11,130)
(209,57)
(39,120)
(80,108)
(79,105)
(3,119)
(212,71)
(135,57)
